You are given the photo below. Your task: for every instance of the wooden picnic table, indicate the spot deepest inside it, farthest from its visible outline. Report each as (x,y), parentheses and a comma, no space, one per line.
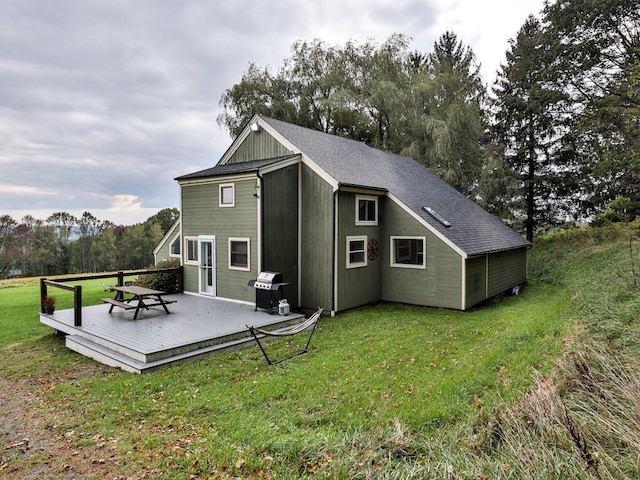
(140,298)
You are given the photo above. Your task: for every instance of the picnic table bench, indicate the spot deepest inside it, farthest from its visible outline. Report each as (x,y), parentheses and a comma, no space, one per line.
(141,297)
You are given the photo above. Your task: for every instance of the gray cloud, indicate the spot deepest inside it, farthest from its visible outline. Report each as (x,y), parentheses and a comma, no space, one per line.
(103,103)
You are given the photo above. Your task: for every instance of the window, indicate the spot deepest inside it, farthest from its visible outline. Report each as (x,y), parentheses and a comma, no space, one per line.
(174,248)
(227,195)
(239,254)
(408,252)
(356,252)
(191,250)
(366,210)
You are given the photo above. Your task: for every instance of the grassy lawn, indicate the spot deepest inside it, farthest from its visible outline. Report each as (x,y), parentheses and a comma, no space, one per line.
(374,378)
(542,385)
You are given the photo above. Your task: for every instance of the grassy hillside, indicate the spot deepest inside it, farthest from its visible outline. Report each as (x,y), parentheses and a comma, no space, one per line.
(582,420)
(542,385)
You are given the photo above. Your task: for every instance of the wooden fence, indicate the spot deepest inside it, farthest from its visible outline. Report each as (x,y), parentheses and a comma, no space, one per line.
(77,289)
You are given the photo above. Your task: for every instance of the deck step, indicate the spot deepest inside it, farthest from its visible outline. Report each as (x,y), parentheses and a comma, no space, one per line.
(110,357)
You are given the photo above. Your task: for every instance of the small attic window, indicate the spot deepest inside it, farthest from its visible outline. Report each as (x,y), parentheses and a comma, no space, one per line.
(437,216)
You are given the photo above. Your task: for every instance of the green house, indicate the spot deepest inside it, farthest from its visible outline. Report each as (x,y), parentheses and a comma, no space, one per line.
(345,224)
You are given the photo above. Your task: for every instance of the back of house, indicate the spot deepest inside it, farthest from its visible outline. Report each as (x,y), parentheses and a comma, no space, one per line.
(343,223)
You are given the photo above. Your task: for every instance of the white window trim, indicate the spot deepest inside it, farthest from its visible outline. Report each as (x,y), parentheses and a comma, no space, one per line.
(392,252)
(175,255)
(233,195)
(186,251)
(366,222)
(348,249)
(248,242)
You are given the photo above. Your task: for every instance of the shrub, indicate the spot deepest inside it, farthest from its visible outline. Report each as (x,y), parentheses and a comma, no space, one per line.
(165,281)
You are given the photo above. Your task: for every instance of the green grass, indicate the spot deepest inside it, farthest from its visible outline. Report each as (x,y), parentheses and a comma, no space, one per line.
(390,391)
(424,368)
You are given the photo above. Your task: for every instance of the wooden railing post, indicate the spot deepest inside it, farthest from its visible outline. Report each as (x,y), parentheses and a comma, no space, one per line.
(77,289)
(180,275)
(43,293)
(77,305)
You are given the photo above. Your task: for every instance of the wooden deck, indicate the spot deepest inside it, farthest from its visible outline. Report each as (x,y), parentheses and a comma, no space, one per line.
(195,327)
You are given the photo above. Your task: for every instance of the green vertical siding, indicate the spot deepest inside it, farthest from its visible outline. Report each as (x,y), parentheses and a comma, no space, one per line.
(361,285)
(316,243)
(280,227)
(476,280)
(506,270)
(257,146)
(201,215)
(439,285)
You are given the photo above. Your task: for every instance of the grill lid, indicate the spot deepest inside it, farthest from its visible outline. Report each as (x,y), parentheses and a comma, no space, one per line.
(267,277)
(267,281)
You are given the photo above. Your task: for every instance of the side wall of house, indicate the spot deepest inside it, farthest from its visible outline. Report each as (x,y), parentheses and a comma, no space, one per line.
(476,281)
(316,242)
(360,285)
(202,215)
(437,285)
(506,270)
(490,275)
(280,227)
(257,146)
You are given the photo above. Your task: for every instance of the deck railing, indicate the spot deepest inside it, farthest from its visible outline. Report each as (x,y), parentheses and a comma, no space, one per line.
(60,282)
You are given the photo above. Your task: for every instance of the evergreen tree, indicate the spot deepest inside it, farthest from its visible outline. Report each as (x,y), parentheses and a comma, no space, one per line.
(528,122)
(596,60)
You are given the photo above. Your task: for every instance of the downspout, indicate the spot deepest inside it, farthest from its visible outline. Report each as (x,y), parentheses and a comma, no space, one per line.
(486,276)
(464,284)
(334,272)
(260,215)
(299,229)
(182,242)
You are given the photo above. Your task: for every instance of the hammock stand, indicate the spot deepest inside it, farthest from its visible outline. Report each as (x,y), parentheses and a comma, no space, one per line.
(310,323)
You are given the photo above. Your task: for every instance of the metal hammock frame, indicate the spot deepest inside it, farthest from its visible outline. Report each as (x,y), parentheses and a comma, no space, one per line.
(310,323)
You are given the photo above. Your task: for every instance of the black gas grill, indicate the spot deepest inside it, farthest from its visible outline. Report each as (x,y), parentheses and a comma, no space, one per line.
(268,286)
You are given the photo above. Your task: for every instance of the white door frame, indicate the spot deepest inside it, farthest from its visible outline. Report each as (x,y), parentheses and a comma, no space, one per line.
(204,241)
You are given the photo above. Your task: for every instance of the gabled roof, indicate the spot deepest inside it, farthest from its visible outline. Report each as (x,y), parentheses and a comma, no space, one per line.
(170,234)
(472,229)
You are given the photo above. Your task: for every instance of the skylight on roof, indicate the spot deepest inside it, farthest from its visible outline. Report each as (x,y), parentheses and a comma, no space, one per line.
(437,216)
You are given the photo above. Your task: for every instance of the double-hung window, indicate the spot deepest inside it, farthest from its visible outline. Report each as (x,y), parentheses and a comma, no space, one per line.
(356,252)
(227,195)
(191,250)
(366,210)
(239,254)
(408,252)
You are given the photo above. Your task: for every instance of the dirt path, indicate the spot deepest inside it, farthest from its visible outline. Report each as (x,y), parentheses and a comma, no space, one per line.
(31,449)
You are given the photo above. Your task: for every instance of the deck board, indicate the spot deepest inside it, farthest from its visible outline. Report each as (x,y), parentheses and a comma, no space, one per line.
(193,322)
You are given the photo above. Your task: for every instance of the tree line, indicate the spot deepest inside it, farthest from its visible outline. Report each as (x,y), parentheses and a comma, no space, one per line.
(555,139)
(64,244)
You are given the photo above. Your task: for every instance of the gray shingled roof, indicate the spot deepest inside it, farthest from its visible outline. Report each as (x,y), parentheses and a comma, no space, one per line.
(231,168)
(349,162)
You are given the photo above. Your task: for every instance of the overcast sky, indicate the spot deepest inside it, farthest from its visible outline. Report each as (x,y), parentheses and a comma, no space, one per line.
(104,102)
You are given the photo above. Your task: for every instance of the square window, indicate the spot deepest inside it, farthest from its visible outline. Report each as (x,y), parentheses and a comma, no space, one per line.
(408,252)
(191,250)
(227,195)
(356,252)
(239,254)
(366,210)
